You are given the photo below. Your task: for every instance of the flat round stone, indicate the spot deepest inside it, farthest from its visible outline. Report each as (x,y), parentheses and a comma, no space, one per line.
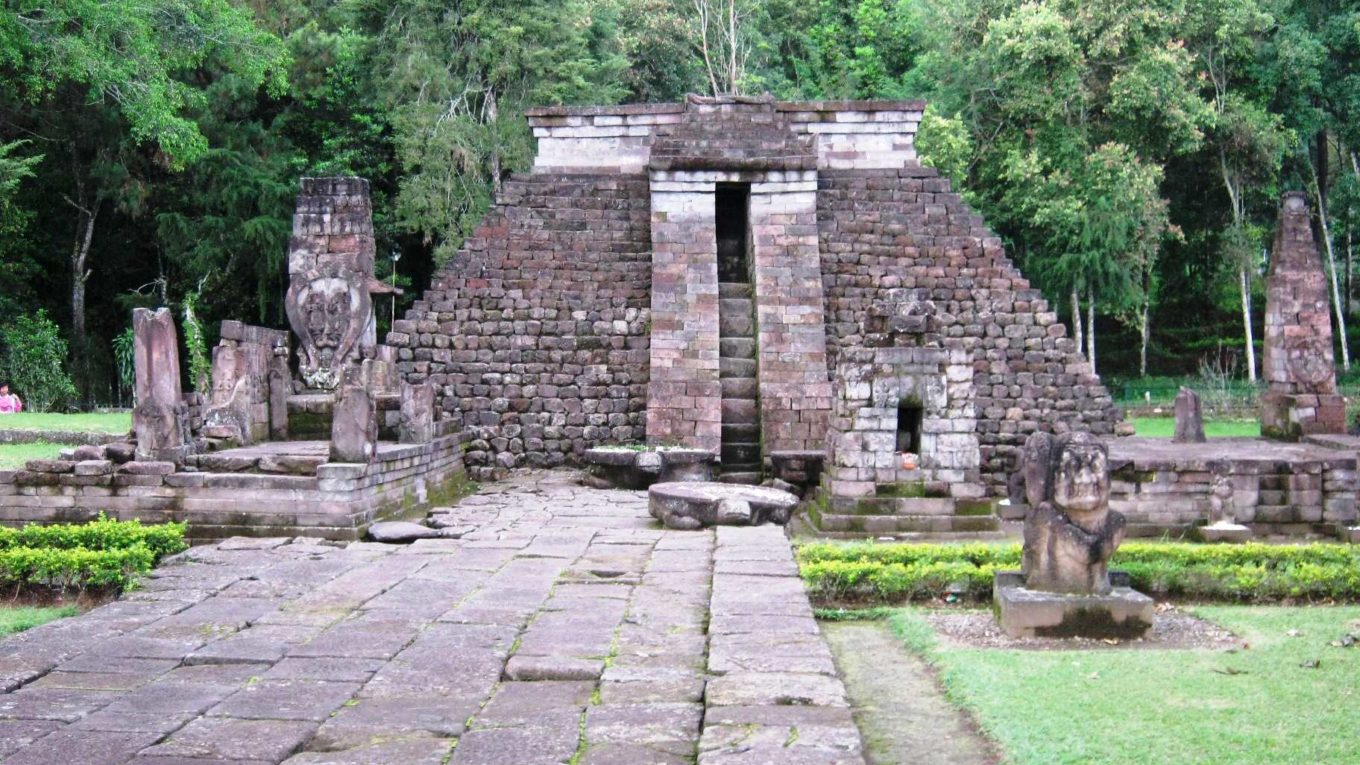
(687,505)
(400,532)
(611,457)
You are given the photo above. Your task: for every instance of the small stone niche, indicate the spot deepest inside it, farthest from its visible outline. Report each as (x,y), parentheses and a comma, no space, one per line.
(909,416)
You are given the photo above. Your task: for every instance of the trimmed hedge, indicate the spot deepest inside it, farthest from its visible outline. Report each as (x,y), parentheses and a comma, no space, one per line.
(1247,573)
(100,554)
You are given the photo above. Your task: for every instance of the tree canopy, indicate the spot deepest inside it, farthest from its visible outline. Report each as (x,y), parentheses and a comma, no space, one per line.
(1130,153)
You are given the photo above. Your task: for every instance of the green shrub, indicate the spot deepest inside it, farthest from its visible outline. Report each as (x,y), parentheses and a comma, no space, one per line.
(34,351)
(99,554)
(1249,573)
(101,534)
(66,569)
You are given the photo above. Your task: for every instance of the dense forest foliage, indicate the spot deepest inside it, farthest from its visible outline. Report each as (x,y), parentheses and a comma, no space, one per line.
(1131,153)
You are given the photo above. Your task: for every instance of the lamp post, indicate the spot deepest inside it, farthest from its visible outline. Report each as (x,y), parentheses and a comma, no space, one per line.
(395,255)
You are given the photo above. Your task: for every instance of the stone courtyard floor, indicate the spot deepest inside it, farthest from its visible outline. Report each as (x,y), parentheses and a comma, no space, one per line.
(569,627)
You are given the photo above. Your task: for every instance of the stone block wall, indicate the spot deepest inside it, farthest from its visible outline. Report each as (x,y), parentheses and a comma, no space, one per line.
(883,230)
(536,333)
(1164,493)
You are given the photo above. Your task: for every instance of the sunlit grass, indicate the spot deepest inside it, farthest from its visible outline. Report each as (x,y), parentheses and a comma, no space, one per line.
(1263,704)
(100,422)
(19,618)
(13,456)
(1165,427)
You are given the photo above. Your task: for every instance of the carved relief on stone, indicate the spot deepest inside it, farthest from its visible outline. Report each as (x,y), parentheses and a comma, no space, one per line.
(1070,531)
(1310,359)
(330,310)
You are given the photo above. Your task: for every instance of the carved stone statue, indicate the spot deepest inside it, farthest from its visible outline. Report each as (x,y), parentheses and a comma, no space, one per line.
(1065,587)
(1071,533)
(330,310)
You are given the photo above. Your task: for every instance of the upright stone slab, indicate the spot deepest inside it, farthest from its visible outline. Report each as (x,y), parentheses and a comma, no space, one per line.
(1189,418)
(1298,364)
(330,272)
(160,418)
(354,426)
(417,413)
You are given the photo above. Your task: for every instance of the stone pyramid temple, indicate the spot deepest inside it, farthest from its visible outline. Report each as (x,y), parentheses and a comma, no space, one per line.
(753,278)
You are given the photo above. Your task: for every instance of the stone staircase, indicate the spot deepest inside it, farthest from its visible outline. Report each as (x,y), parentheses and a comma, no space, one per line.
(907,518)
(737,364)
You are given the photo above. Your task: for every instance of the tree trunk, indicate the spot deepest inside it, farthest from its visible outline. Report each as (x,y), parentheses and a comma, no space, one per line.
(491,115)
(1244,285)
(80,274)
(1091,329)
(1076,320)
(1331,271)
(1144,333)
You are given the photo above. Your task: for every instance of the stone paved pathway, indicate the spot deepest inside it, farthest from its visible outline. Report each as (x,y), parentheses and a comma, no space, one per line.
(568,628)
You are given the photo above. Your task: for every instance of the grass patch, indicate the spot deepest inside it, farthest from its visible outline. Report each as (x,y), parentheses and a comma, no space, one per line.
(81,422)
(1259,705)
(19,618)
(868,572)
(1165,427)
(13,456)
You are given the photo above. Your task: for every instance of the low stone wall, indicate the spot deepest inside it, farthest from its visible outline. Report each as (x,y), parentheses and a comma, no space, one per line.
(1275,488)
(70,437)
(338,502)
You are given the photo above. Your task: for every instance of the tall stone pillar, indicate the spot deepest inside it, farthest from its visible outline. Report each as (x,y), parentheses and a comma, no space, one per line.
(684,396)
(160,418)
(1299,367)
(330,277)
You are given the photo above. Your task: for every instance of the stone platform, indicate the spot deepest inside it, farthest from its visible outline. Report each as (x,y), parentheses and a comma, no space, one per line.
(1277,488)
(268,489)
(569,626)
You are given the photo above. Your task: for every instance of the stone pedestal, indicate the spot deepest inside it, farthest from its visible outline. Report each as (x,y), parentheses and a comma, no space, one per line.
(1022,612)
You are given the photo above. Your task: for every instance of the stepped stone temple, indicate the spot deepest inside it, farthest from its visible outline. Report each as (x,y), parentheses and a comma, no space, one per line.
(746,277)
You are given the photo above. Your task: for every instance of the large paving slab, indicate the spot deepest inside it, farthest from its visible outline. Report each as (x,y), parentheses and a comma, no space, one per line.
(567,626)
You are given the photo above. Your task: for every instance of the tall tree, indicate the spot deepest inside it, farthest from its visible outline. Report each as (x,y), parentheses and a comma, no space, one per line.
(456,78)
(91,82)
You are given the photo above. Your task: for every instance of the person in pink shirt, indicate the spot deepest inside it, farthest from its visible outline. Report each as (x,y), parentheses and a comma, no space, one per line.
(9,402)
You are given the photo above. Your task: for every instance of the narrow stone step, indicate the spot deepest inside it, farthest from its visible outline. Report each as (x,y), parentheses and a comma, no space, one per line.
(730,367)
(739,387)
(740,453)
(740,411)
(734,306)
(749,478)
(736,325)
(737,347)
(733,290)
(740,433)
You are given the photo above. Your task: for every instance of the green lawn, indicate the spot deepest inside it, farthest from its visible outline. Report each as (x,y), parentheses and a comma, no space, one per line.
(101,422)
(1188,707)
(1165,427)
(15,455)
(19,618)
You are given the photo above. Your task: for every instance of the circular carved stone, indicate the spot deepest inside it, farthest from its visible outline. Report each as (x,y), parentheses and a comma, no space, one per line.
(1308,361)
(692,505)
